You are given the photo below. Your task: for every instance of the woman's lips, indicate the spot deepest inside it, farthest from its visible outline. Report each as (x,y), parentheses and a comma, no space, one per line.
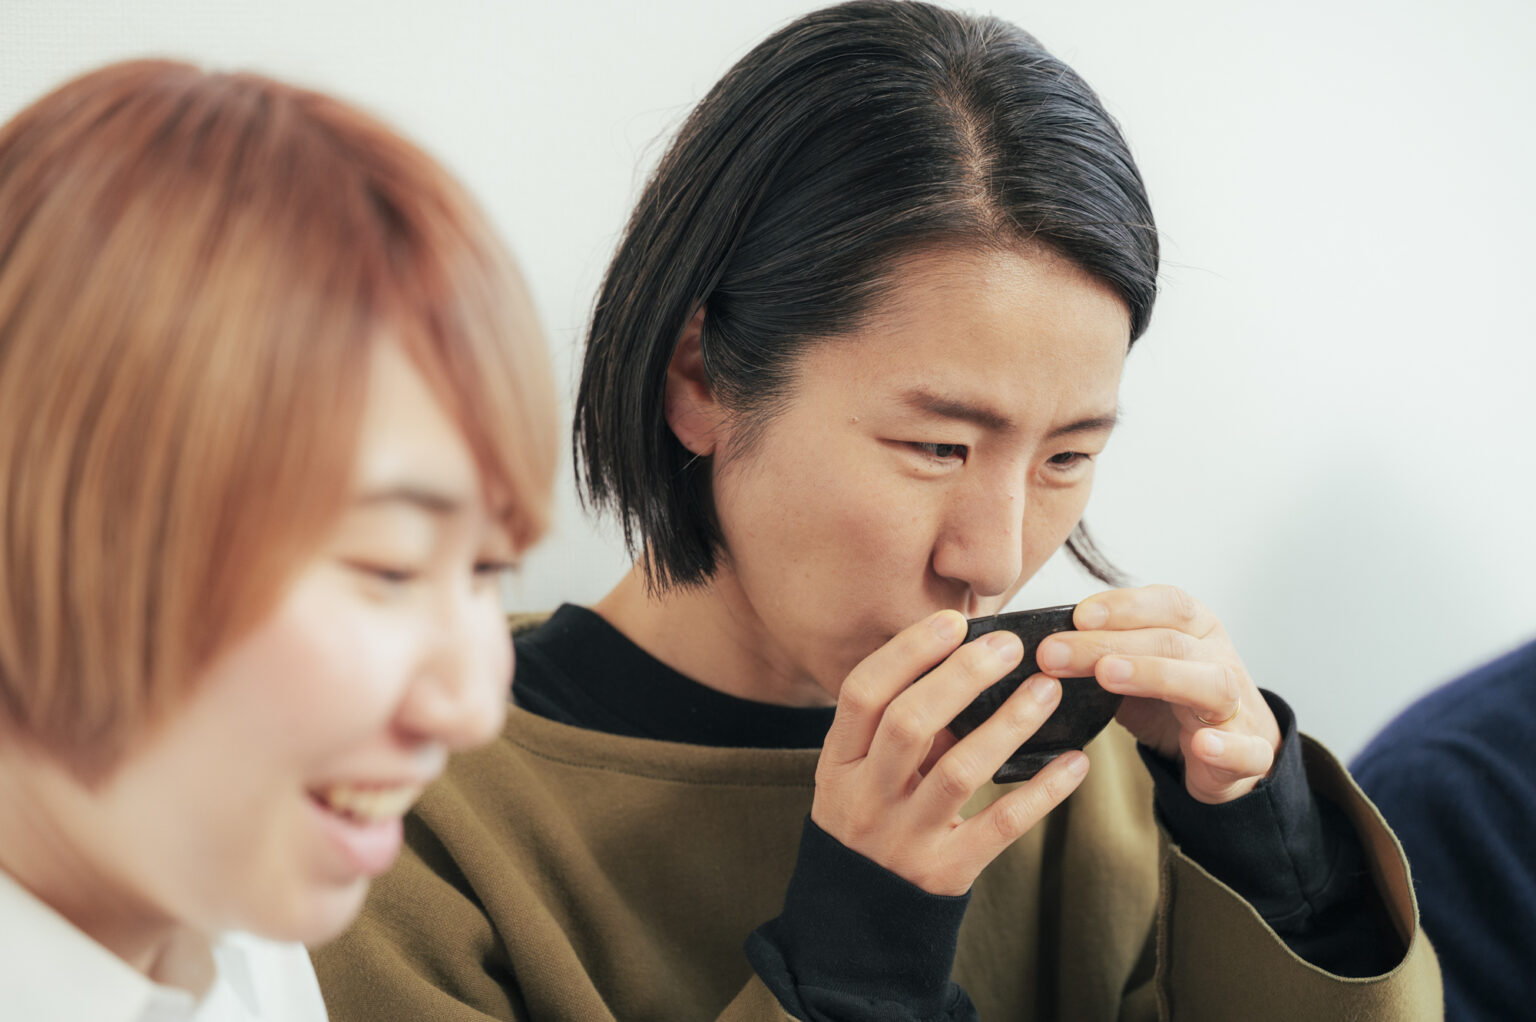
(368,803)
(362,821)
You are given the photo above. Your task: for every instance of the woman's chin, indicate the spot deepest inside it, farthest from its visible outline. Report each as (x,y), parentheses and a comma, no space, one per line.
(321,914)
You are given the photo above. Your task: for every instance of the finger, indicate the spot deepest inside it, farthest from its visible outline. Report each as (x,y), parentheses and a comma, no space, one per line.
(1220,766)
(881,676)
(975,758)
(942,743)
(983,837)
(909,724)
(1156,606)
(1204,688)
(1074,654)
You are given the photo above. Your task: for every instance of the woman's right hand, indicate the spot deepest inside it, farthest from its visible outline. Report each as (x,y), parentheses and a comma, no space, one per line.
(892,780)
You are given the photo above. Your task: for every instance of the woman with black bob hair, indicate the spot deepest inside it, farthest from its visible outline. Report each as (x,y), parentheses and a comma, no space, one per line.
(844,385)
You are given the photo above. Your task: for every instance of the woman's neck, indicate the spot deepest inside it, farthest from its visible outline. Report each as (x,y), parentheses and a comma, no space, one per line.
(710,634)
(48,846)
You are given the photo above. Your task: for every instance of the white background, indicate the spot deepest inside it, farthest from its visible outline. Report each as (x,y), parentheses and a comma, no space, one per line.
(1329,432)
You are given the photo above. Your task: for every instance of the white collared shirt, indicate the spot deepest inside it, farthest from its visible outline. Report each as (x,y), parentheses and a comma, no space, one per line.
(52,972)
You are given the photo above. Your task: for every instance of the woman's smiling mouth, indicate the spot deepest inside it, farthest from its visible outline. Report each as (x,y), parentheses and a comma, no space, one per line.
(363,821)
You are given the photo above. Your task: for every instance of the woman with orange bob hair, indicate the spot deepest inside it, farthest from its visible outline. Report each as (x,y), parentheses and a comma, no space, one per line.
(274,415)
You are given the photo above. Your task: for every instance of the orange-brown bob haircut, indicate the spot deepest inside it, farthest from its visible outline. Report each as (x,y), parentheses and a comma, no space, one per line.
(195,269)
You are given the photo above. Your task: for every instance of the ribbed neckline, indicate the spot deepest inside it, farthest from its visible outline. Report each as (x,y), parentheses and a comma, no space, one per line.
(579,670)
(583,749)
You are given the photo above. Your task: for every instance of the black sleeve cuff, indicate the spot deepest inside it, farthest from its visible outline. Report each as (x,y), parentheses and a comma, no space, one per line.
(1290,855)
(855,941)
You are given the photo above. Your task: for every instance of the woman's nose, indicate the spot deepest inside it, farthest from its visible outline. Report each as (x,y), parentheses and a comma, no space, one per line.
(459,693)
(982,541)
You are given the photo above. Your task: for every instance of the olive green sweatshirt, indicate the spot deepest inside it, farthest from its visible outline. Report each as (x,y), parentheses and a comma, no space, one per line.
(565,873)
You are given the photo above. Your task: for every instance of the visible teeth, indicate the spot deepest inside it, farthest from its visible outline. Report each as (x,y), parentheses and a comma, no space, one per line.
(368,804)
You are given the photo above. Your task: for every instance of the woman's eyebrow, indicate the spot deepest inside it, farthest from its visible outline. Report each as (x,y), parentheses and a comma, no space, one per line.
(438,503)
(924,400)
(1090,425)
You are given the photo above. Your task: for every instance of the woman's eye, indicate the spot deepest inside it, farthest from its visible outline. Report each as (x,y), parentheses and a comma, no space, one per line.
(1069,459)
(943,452)
(490,574)
(387,574)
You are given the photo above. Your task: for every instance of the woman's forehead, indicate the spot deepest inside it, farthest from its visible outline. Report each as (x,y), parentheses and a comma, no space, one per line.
(958,326)
(1023,283)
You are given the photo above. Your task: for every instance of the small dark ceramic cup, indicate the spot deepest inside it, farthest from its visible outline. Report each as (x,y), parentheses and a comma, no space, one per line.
(1084,710)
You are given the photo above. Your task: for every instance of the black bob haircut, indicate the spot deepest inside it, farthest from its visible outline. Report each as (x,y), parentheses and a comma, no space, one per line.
(854,136)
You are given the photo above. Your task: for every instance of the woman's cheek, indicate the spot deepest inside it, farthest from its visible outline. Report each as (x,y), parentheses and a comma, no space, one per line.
(360,658)
(494,642)
(489,674)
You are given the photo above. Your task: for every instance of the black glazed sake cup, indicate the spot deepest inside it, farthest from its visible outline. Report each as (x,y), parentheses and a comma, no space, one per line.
(1085,708)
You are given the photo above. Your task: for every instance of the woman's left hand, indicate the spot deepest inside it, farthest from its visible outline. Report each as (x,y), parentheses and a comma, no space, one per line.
(1187,694)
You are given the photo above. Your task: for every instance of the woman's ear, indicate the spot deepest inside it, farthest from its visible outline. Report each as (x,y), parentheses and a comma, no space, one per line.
(693,413)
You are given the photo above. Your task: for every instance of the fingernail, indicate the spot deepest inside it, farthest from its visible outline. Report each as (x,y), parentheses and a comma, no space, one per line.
(948,625)
(1214,744)
(1077,765)
(1005,644)
(1091,615)
(1115,670)
(1053,654)
(1043,689)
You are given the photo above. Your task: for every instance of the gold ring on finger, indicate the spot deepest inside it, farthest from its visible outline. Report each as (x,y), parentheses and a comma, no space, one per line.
(1224,720)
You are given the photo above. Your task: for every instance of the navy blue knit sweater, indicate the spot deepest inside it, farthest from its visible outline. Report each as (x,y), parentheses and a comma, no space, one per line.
(1455,776)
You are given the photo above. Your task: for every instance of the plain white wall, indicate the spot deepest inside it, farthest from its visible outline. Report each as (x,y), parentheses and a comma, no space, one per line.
(1329,432)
